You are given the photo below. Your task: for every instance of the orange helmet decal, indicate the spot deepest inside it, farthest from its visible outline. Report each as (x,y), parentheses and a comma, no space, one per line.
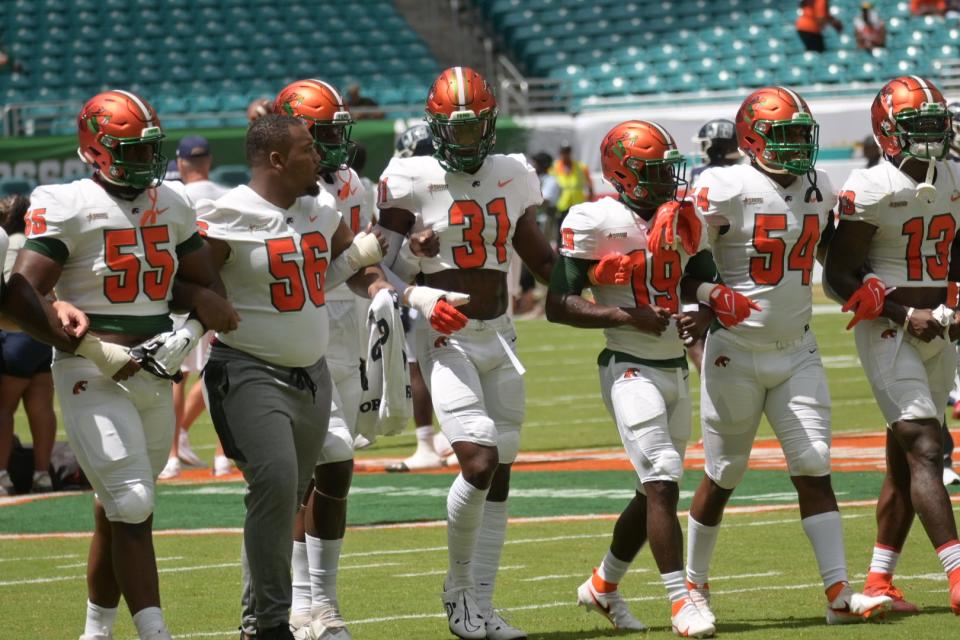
(910,117)
(322,109)
(640,159)
(109,128)
(461,111)
(767,124)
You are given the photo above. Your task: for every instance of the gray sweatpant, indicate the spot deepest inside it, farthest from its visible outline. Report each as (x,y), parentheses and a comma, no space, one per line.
(272,421)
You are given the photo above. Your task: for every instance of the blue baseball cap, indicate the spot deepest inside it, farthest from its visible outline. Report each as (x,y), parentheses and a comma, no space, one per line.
(193,147)
(173,171)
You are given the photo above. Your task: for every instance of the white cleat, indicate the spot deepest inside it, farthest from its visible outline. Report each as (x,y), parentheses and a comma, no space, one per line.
(610,605)
(299,620)
(463,614)
(418,461)
(171,470)
(327,624)
(500,629)
(361,442)
(186,453)
(849,607)
(688,622)
(950,477)
(700,597)
(96,636)
(222,466)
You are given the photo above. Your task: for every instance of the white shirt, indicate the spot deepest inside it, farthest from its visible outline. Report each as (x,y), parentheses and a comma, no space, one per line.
(204,190)
(351,201)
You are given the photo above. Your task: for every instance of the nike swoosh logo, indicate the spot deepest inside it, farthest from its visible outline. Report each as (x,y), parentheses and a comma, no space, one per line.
(503,183)
(313,218)
(354,190)
(954,197)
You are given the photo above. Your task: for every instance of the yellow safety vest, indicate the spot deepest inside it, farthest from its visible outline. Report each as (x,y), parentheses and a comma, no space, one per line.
(572,183)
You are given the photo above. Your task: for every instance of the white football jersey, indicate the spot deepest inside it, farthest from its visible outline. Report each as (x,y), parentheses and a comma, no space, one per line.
(275,272)
(204,190)
(4,243)
(768,250)
(353,205)
(121,255)
(592,230)
(474,215)
(911,247)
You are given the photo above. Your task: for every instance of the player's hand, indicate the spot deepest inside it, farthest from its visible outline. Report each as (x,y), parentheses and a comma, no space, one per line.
(866,302)
(384,243)
(675,226)
(215,312)
(730,307)
(924,325)
(163,354)
(74,322)
(613,268)
(954,331)
(425,244)
(439,306)
(649,318)
(691,325)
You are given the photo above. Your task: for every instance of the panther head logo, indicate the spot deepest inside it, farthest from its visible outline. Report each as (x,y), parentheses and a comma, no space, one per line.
(441,341)
(79,387)
(722,361)
(889,333)
(631,373)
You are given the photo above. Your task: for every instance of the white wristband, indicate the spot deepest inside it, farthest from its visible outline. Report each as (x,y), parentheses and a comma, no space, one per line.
(868,276)
(108,357)
(363,251)
(906,319)
(704,291)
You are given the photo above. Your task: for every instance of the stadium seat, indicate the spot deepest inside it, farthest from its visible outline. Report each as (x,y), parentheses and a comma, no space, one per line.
(230,175)
(22,186)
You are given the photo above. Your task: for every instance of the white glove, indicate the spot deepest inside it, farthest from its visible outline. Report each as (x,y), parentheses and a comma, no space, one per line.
(108,357)
(944,315)
(363,251)
(424,299)
(163,354)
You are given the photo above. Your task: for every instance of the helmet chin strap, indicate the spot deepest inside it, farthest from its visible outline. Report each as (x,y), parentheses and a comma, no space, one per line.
(925,191)
(763,166)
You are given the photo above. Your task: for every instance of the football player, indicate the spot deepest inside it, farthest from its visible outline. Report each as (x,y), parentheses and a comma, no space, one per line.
(718,145)
(120,246)
(643,370)
(891,261)
(766,219)
(482,208)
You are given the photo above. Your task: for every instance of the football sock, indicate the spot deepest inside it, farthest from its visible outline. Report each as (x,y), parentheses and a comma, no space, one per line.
(301,579)
(324,559)
(701,541)
(676,585)
(949,555)
(883,563)
(486,555)
(99,620)
(425,438)
(150,625)
(825,532)
(610,572)
(464,516)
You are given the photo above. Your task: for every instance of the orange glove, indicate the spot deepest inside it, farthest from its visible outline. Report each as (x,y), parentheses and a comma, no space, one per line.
(613,268)
(675,225)
(866,302)
(730,307)
(953,295)
(446,319)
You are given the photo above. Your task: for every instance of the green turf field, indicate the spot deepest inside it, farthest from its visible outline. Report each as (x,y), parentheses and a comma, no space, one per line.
(765,580)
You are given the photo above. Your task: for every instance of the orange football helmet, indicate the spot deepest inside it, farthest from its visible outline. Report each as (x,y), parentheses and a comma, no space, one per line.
(120,134)
(777,131)
(910,118)
(462,115)
(640,159)
(322,109)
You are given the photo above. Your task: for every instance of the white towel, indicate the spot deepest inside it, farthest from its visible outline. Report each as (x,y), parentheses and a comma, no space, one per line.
(386,404)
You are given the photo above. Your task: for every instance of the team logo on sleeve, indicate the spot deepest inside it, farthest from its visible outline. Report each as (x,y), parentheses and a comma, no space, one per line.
(703,199)
(847,199)
(568,239)
(889,333)
(631,373)
(722,361)
(79,387)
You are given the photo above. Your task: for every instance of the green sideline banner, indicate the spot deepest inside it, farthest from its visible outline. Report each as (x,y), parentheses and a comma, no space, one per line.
(52,158)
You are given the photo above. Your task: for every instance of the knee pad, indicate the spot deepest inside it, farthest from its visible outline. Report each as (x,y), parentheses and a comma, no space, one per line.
(133,504)
(814,461)
(508,445)
(338,444)
(668,465)
(728,473)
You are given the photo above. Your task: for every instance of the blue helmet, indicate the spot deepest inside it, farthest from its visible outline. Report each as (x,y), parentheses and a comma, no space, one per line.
(415,141)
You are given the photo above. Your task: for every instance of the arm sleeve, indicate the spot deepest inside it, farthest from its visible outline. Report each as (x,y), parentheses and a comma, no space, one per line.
(396,188)
(860,199)
(569,275)
(49,218)
(702,267)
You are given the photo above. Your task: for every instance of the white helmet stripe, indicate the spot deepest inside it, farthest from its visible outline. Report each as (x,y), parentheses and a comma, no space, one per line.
(461,90)
(663,132)
(796,99)
(139,103)
(329,86)
(925,87)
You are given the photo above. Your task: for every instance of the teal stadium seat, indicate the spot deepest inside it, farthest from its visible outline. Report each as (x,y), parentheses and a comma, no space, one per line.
(230,175)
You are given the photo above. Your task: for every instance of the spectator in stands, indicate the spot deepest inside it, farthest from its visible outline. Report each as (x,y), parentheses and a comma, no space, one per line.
(814,16)
(928,7)
(360,106)
(258,107)
(869,29)
(871,151)
(953,9)
(194,160)
(173,172)
(24,372)
(573,177)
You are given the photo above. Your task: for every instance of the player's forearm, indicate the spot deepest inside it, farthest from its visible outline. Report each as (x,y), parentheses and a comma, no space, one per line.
(573,310)
(368,281)
(33,313)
